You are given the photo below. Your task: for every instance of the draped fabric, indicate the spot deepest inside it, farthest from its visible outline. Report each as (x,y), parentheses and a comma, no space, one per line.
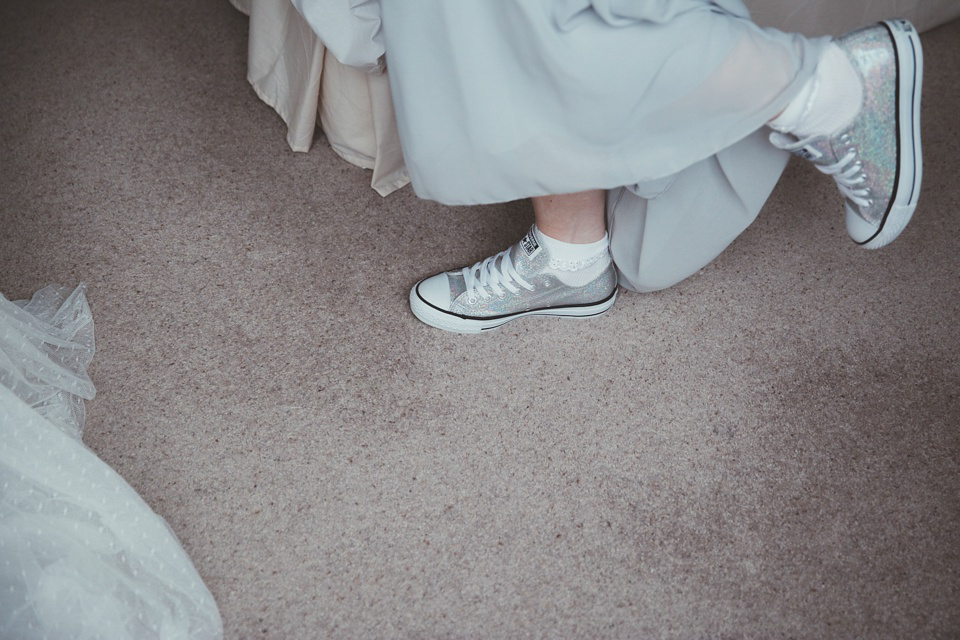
(293,71)
(81,555)
(502,100)
(278,40)
(662,102)
(621,13)
(350,28)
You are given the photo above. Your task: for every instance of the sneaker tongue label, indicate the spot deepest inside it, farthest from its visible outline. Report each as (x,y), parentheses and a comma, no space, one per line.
(809,153)
(530,245)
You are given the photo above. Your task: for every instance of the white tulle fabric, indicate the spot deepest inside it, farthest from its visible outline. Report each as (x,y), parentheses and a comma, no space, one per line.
(81,555)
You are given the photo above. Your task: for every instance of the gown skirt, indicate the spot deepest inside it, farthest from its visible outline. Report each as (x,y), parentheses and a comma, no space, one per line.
(500,100)
(661,102)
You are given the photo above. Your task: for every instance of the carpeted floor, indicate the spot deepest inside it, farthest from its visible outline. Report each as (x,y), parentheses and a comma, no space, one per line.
(768,450)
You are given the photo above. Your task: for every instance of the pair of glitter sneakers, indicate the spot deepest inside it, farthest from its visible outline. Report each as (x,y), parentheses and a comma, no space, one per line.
(875,161)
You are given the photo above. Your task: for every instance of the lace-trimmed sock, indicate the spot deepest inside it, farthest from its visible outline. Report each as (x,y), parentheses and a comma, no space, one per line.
(573,264)
(828,102)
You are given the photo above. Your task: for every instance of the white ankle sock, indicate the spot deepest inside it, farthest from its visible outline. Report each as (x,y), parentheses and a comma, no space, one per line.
(575,264)
(828,102)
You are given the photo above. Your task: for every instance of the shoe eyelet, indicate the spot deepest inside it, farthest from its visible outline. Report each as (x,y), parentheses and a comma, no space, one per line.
(471,300)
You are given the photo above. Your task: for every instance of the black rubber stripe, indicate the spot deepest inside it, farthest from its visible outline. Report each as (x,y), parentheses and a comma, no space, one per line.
(545,315)
(513,315)
(913,103)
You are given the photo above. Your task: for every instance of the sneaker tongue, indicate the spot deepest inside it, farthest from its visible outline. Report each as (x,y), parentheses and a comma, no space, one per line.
(808,149)
(529,245)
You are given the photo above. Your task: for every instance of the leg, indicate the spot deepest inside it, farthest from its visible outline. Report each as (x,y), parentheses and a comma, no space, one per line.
(577,218)
(758,77)
(562,267)
(673,232)
(660,239)
(875,156)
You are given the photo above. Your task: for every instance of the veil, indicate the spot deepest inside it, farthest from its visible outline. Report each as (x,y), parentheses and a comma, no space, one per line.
(81,554)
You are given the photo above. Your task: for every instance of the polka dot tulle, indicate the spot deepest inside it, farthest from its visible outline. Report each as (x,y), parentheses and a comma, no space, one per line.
(81,555)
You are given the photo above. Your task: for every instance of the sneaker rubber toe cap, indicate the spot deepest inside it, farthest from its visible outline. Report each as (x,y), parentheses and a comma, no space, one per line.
(435,291)
(859,229)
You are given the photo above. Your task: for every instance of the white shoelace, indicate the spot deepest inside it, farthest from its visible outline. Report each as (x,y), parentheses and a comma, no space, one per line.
(848,173)
(492,277)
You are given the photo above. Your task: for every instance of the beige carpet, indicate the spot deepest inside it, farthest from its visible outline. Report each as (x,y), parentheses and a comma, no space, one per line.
(768,450)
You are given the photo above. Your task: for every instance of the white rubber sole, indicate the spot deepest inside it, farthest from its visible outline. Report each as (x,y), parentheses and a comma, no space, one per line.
(909,53)
(456,323)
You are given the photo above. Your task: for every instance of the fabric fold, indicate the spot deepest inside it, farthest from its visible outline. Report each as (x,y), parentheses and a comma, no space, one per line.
(351,30)
(494,102)
(622,13)
(81,554)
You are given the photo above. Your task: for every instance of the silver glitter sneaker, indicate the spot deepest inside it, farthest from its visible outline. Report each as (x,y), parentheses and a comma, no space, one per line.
(521,281)
(876,161)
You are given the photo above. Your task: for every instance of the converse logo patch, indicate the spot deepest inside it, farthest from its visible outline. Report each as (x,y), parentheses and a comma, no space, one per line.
(808,153)
(530,245)
(902,25)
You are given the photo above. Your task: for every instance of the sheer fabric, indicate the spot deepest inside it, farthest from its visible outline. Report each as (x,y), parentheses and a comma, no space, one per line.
(335,20)
(46,345)
(81,555)
(501,100)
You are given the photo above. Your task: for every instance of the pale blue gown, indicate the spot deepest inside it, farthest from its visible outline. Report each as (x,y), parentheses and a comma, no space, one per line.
(662,102)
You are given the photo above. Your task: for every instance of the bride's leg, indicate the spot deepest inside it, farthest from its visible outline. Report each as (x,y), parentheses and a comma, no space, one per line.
(562,267)
(858,120)
(854,113)
(576,218)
